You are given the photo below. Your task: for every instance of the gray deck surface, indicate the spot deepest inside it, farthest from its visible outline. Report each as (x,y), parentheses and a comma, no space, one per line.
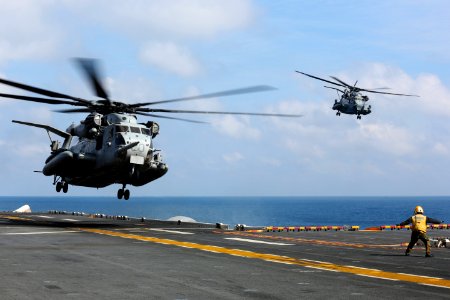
(53,256)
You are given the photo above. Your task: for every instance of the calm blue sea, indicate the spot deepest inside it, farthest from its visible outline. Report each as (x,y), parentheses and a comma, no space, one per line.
(277,211)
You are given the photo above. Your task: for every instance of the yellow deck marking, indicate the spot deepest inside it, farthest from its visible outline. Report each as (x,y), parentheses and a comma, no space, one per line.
(313,241)
(444,283)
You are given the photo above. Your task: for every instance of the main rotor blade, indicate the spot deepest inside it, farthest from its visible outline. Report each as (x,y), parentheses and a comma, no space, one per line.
(75,110)
(386,93)
(215,112)
(330,87)
(171,118)
(41,91)
(91,71)
(40,100)
(345,84)
(315,77)
(246,90)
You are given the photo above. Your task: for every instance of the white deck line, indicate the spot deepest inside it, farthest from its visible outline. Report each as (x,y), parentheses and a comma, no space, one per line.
(259,242)
(46,217)
(170,231)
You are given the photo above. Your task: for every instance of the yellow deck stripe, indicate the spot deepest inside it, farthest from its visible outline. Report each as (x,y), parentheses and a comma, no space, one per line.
(438,282)
(313,241)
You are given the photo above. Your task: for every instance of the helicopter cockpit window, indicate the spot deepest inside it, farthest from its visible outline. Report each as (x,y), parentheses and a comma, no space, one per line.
(135,129)
(146,131)
(122,128)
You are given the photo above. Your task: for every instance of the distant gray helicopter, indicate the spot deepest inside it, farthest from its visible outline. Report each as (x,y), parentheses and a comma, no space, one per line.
(351,101)
(112,146)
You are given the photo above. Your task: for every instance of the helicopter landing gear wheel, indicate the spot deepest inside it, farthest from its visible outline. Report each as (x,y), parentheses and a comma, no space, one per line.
(62,185)
(59,186)
(126,194)
(123,193)
(358,117)
(338,114)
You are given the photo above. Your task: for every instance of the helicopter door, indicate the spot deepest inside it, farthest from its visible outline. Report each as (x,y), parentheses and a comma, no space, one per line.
(107,136)
(104,138)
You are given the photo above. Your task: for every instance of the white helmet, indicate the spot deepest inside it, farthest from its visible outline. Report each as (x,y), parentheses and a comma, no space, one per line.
(418,210)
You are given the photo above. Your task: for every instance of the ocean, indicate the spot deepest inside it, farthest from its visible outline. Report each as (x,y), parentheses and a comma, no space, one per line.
(254,211)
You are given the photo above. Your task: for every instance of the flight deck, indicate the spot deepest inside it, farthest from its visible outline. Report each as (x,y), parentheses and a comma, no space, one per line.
(67,256)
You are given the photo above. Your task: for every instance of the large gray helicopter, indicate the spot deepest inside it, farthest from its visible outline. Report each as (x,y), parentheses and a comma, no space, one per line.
(112,146)
(352,101)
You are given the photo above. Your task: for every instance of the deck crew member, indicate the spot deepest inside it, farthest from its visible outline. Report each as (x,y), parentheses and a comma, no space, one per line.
(419,229)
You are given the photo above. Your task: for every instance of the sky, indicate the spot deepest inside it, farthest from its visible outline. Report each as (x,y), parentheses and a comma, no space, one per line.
(155,50)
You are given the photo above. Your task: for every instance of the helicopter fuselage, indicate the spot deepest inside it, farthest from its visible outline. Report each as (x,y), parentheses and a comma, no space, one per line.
(353,104)
(120,152)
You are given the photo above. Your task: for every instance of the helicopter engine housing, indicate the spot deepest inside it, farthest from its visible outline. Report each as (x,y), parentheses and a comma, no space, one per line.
(88,128)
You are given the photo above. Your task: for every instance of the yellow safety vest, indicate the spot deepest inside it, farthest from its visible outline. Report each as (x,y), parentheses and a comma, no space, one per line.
(419,223)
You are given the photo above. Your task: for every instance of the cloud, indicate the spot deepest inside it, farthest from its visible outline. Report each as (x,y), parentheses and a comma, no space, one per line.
(27,31)
(160,27)
(35,114)
(238,128)
(434,95)
(385,137)
(304,147)
(38,151)
(373,168)
(35,29)
(313,121)
(441,149)
(271,161)
(148,20)
(131,90)
(330,134)
(233,157)
(170,57)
